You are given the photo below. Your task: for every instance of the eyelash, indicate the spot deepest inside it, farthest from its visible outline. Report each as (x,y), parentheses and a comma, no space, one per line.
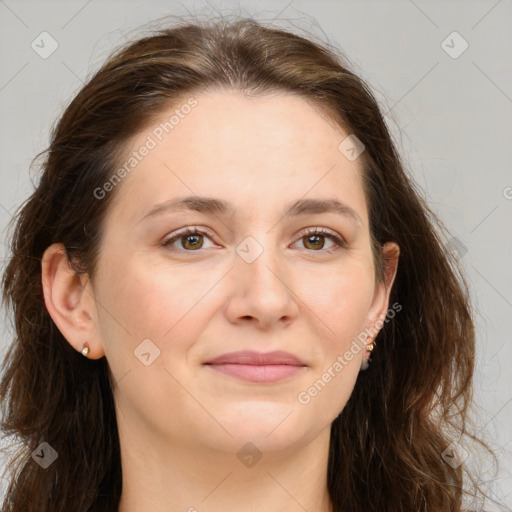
(340,243)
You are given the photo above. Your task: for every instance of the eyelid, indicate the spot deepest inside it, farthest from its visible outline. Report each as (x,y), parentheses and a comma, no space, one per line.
(333,235)
(176,235)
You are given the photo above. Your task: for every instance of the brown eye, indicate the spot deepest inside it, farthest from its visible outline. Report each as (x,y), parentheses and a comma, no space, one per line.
(314,240)
(191,239)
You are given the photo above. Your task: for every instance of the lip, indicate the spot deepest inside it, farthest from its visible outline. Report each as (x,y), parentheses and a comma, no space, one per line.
(258,367)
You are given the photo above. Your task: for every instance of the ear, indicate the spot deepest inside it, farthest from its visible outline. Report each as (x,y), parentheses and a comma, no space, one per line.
(380,304)
(70,301)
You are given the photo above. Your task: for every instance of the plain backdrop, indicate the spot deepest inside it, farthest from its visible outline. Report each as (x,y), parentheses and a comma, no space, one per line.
(441,71)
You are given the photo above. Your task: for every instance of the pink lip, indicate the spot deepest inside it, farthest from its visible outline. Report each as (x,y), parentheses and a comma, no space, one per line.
(258,367)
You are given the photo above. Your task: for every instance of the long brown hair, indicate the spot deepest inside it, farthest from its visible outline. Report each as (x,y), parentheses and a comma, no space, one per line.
(386,444)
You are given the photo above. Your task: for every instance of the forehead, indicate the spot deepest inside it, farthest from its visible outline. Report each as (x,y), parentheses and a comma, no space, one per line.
(254,151)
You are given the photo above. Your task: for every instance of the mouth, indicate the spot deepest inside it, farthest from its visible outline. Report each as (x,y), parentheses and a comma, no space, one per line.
(258,367)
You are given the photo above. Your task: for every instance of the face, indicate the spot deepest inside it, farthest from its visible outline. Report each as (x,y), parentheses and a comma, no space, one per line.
(263,269)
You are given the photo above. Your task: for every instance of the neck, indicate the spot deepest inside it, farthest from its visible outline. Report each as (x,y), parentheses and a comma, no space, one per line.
(166,476)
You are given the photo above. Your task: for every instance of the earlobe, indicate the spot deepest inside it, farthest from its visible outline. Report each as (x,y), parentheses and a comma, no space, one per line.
(69,302)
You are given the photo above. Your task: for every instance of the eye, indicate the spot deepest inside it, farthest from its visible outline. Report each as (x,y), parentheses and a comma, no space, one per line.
(191,239)
(315,239)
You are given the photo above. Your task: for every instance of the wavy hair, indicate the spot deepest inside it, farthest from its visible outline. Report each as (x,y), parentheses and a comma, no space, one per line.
(386,444)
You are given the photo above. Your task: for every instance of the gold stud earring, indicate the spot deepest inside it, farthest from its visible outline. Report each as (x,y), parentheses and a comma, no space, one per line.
(365,363)
(85,350)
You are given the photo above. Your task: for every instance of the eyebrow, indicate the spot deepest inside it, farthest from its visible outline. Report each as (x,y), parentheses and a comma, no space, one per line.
(210,205)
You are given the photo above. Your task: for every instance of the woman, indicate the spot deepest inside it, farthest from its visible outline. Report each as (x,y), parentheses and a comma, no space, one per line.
(222,236)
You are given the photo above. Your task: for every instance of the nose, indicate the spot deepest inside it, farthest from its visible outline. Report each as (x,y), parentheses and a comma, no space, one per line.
(261,292)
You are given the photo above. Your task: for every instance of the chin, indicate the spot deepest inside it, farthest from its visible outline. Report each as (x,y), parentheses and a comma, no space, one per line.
(268,425)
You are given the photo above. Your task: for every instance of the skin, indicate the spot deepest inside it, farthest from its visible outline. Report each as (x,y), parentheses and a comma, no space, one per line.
(181,424)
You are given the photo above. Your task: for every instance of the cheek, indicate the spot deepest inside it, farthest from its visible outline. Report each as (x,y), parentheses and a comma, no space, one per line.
(146,299)
(332,381)
(141,301)
(340,305)
(327,393)
(340,299)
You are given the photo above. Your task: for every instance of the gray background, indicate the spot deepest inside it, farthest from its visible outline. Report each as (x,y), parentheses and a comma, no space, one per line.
(450,115)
